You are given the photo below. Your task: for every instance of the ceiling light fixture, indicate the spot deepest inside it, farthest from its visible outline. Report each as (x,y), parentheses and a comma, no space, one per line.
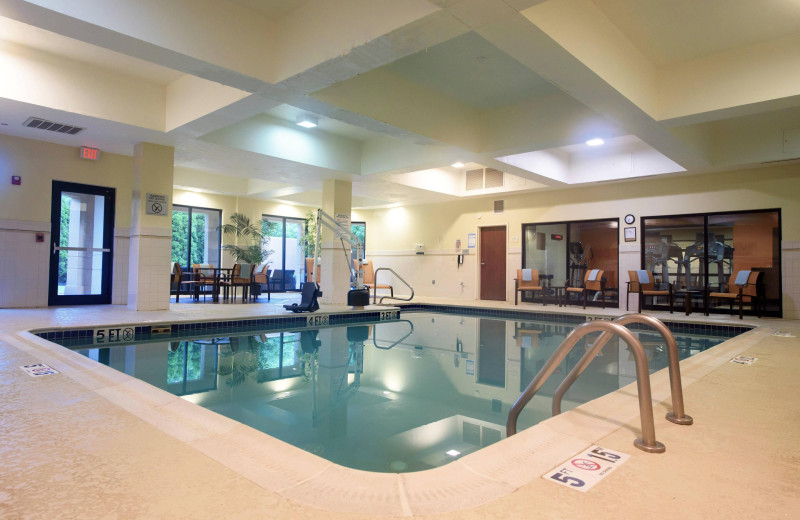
(458,164)
(453,453)
(307,121)
(595,142)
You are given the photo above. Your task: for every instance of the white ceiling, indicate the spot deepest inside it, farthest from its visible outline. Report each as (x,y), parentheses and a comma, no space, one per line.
(32,37)
(274,9)
(404,90)
(679,30)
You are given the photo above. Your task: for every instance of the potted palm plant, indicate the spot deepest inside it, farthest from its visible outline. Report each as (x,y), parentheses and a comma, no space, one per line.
(250,242)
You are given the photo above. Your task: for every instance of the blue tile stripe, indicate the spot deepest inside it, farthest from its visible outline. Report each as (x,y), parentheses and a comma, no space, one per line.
(706,329)
(77,337)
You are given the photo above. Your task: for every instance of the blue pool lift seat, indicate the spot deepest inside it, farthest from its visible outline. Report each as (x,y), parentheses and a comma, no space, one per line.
(308,301)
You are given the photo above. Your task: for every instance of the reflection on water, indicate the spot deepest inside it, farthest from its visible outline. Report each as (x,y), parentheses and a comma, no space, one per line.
(389,397)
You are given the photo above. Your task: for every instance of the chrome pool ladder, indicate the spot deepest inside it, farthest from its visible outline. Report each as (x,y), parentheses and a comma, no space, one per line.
(609,329)
(375,288)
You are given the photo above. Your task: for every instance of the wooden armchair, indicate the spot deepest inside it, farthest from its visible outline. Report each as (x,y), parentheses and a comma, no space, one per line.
(749,286)
(369,280)
(180,280)
(241,276)
(261,278)
(647,287)
(310,269)
(204,276)
(593,280)
(528,280)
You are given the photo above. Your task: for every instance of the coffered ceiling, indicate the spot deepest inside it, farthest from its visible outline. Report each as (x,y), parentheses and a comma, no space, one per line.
(404,89)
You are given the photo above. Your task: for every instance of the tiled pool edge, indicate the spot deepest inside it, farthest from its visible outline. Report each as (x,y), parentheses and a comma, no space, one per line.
(79,336)
(492,474)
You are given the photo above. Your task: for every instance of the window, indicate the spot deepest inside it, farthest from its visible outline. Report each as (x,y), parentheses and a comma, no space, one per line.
(196,238)
(359,229)
(287,258)
(564,251)
(707,250)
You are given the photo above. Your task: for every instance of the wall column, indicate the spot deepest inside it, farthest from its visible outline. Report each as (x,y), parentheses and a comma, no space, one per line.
(335,280)
(151,234)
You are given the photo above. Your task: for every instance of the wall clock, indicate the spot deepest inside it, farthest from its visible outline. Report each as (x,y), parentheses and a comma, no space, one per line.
(629,219)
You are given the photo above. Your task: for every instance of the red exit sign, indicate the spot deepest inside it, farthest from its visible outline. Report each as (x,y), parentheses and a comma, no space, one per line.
(92,154)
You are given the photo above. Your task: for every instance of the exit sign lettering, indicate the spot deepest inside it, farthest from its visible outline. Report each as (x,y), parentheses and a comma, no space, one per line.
(91,154)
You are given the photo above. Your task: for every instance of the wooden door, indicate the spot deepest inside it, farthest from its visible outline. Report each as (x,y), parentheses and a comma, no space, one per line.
(493,263)
(492,352)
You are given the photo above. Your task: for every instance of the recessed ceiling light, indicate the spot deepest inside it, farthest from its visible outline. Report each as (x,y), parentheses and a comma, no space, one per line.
(595,142)
(458,164)
(307,121)
(453,453)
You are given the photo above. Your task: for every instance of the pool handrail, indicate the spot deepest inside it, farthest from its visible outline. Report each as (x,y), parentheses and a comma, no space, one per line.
(375,340)
(677,415)
(375,288)
(647,442)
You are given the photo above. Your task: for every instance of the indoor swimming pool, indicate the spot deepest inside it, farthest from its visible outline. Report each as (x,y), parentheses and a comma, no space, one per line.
(387,396)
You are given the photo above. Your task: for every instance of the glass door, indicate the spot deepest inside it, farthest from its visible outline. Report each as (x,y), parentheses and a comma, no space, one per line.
(287,258)
(82,231)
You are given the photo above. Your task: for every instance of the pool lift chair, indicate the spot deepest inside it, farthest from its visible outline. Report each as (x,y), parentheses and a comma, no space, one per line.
(358,296)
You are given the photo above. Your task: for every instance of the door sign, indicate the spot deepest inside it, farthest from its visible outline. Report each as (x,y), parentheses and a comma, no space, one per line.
(586,469)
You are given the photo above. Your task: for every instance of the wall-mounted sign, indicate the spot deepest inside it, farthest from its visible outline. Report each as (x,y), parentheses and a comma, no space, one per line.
(344,221)
(92,154)
(156,204)
(472,240)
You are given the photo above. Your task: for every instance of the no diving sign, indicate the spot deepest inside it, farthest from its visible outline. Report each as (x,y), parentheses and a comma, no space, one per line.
(586,469)
(156,204)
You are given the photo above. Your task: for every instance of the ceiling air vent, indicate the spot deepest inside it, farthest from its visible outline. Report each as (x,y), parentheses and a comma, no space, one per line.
(474,179)
(44,124)
(499,205)
(493,178)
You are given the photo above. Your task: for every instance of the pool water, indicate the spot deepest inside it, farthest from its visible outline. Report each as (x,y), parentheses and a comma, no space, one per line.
(396,396)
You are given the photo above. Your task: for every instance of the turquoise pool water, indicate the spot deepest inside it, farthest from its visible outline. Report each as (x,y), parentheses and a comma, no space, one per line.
(390,396)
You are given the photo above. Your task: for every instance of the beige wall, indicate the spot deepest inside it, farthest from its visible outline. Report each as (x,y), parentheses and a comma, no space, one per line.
(392,233)
(40,163)
(439,225)
(25,211)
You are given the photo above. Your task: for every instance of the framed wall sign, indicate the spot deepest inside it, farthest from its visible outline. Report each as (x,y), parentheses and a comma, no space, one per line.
(630,234)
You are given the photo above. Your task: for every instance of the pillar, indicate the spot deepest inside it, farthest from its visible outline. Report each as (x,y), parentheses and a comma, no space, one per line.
(335,280)
(151,228)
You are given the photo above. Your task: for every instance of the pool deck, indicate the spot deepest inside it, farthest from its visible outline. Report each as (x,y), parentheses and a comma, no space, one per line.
(91,442)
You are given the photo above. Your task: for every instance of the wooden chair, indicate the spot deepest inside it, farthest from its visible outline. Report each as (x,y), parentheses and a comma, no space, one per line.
(527,280)
(593,280)
(241,276)
(261,278)
(369,280)
(310,269)
(647,287)
(179,280)
(204,276)
(749,286)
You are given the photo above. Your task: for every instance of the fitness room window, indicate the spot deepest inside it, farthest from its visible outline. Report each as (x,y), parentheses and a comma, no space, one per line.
(199,242)
(702,251)
(564,251)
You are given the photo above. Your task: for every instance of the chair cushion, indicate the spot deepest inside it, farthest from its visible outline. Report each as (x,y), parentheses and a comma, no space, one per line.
(741,277)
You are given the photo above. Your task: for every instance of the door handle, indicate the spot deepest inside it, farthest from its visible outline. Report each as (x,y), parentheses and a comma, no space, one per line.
(93,249)
(483,263)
